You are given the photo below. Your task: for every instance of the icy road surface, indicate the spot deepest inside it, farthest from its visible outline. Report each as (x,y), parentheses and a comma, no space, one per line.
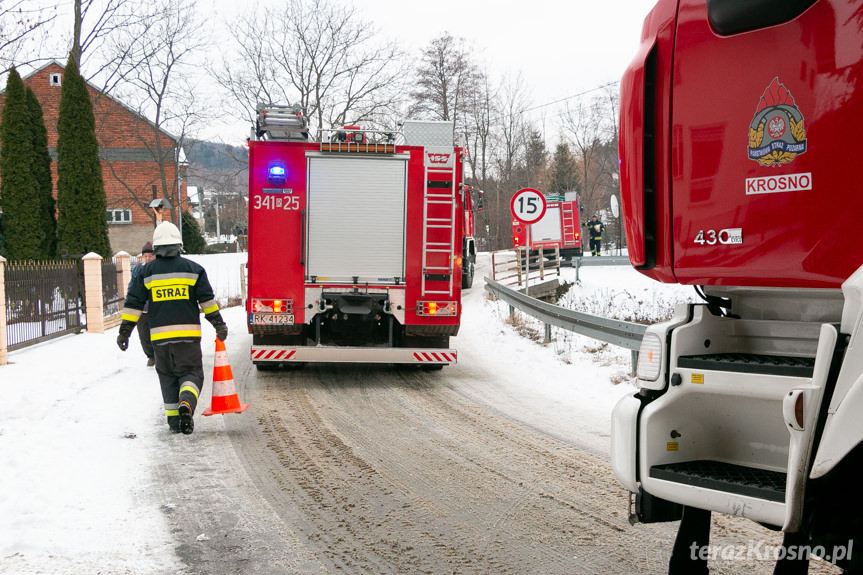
(496,465)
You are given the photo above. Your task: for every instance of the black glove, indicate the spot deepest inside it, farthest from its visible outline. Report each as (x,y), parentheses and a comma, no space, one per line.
(215,318)
(126,328)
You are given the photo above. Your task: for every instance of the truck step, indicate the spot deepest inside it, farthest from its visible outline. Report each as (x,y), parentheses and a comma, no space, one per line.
(725,477)
(750,363)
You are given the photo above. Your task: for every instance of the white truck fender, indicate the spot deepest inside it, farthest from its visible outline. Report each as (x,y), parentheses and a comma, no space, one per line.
(624,441)
(842,432)
(844,427)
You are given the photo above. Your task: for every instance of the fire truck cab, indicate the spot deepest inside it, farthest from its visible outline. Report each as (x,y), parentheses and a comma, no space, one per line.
(735,178)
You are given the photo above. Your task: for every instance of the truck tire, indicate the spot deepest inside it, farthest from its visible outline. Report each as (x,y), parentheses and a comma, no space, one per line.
(467,274)
(437,367)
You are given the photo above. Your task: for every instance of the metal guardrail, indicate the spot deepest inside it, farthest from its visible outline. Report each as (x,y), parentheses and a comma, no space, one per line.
(601,261)
(616,332)
(580,262)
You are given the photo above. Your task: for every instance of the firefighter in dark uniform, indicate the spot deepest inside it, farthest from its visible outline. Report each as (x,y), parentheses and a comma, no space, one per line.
(175,291)
(143,325)
(595,227)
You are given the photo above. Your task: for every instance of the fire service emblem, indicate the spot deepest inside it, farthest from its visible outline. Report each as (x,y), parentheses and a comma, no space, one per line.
(776,134)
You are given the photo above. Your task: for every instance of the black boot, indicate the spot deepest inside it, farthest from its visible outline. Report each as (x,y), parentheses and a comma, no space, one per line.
(187,424)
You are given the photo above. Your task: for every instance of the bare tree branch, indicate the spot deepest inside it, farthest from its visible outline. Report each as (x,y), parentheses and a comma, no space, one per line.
(159,85)
(23,28)
(316,54)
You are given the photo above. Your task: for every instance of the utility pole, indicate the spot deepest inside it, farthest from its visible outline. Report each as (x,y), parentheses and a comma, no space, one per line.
(218,228)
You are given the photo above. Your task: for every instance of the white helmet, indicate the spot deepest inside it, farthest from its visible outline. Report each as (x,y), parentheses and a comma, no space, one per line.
(167,234)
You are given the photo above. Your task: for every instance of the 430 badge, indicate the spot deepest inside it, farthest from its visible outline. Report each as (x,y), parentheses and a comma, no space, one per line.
(728,236)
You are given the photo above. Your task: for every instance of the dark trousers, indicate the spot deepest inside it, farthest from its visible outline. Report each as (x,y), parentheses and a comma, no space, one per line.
(144,334)
(594,246)
(693,535)
(180,367)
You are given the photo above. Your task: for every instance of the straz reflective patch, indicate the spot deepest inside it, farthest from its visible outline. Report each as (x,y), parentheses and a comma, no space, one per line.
(165,293)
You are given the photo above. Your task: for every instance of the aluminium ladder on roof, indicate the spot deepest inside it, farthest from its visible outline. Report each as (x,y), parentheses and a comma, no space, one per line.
(439,227)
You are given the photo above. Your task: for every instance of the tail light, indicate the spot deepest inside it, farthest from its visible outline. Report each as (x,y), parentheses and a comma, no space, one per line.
(437,308)
(272,306)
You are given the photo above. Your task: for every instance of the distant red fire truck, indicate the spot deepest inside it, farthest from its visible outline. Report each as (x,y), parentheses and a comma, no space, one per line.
(557,228)
(358,248)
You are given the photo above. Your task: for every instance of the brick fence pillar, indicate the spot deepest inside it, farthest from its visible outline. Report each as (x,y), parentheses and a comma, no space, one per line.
(124,273)
(3,359)
(93,293)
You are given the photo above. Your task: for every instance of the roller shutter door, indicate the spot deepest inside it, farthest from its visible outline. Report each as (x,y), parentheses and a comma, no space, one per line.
(356,218)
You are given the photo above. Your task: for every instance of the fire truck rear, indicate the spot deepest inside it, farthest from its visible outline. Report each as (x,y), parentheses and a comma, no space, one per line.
(558,228)
(737,176)
(355,243)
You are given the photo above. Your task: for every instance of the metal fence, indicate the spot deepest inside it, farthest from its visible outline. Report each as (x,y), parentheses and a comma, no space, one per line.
(44,300)
(520,266)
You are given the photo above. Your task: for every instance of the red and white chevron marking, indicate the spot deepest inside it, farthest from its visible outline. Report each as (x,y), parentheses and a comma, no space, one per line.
(273,354)
(434,357)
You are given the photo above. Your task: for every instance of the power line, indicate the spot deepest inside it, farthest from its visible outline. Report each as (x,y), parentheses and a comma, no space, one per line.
(579,95)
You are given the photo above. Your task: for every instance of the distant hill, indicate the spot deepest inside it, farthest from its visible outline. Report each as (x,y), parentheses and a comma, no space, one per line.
(218,157)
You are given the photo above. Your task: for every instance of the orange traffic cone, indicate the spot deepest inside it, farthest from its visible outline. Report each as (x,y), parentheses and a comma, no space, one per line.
(224,398)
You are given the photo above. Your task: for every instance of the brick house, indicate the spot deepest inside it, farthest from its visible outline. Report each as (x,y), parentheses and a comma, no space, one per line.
(128,149)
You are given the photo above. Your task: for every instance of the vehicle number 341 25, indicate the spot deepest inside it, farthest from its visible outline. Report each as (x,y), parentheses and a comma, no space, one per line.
(273,202)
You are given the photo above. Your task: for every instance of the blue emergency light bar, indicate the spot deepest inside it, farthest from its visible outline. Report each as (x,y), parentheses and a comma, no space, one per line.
(277,173)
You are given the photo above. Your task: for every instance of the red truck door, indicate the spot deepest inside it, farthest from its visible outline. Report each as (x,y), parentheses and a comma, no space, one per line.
(765,116)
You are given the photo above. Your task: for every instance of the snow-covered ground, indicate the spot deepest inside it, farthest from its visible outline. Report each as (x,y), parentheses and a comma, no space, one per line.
(616,292)
(81,424)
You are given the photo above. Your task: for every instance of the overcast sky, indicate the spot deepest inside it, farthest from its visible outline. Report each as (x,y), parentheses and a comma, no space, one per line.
(561,48)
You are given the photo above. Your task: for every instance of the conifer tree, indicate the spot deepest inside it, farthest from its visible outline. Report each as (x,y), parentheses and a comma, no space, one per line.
(193,239)
(18,185)
(82,224)
(2,239)
(42,173)
(564,171)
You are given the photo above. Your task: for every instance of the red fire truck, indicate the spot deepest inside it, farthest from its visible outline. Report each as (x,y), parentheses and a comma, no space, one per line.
(355,243)
(557,228)
(736,177)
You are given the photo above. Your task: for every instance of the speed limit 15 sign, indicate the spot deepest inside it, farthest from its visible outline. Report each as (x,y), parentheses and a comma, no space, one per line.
(528,206)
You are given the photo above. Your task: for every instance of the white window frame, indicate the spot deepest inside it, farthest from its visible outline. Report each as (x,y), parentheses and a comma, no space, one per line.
(125,216)
(55,79)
